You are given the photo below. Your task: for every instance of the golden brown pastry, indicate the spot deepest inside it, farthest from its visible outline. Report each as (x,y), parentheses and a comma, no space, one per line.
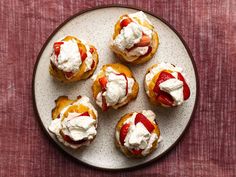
(74,121)
(114,86)
(137,134)
(72,60)
(134,40)
(165,85)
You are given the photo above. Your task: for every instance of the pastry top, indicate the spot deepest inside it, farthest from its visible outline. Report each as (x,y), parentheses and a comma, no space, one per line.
(134,37)
(137,134)
(71,58)
(74,121)
(114,86)
(165,84)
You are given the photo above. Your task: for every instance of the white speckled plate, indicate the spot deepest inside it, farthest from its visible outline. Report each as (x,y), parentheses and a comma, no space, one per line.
(96,26)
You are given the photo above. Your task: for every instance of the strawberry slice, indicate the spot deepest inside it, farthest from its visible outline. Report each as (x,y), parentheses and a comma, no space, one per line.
(126,89)
(162,77)
(104,104)
(165,99)
(84,114)
(123,132)
(186,90)
(93,64)
(125,22)
(149,51)
(136,151)
(143,119)
(57,47)
(91,50)
(145,41)
(82,54)
(103,82)
(68,75)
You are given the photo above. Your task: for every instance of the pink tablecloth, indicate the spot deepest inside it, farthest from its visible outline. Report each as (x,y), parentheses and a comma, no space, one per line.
(209,146)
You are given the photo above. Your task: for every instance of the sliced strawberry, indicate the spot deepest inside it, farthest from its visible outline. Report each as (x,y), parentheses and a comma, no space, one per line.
(148,52)
(93,64)
(125,22)
(145,41)
(69,140)
(57,47)
(104,104)
(103,82)
(136,151)
(165,99)
(68,75)
(186,90)
(91,50)
(123,132)
(143,119)
(126,89)
(82,54)
(162,77)
(84,114)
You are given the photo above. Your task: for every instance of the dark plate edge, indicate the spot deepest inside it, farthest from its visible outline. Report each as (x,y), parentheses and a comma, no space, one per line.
(120,6)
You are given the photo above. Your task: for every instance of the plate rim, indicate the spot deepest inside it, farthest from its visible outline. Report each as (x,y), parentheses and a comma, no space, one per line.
(110,6)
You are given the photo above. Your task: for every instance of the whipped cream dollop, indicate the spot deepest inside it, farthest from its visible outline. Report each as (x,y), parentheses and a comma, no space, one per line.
(132,34)
(138,137)
(75,126)
(116,88)
(69,58)
(172,86)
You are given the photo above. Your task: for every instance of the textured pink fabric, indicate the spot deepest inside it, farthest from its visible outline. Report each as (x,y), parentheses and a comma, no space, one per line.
(208,147)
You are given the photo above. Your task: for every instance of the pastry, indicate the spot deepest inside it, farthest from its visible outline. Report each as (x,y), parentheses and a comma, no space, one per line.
(114,86)
(137,134)
(135,39)
(72,60)
(165,85)
(74,121)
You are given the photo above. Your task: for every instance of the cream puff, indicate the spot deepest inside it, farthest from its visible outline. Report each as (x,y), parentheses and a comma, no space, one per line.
(114,86)
(72,60)
(134,39)
(74,121)
(165,85)
(137,133)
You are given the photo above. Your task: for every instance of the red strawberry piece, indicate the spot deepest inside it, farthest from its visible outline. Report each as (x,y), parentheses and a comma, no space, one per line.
(162,77)
(84,114)
(93,64)
(165,99)
(57,47)
(104,104)
(123,132)
(69,140)
(126,89)
(136,151)
(68,75)
(186,90)
(145,41)
(103,82)
(91,50)
(125,22)
(148,52)
(82,54)
(143,119)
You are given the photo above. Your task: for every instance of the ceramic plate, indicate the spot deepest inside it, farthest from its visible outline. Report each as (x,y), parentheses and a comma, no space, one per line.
(96,26)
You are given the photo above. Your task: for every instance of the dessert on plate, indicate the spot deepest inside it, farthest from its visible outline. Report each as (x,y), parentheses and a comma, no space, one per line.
(114,86)
(137,133)
(134,39)
(74,121)
(72,59)
(165,85)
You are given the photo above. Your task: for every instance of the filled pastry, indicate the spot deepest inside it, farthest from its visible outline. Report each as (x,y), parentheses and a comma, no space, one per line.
(137,134)
(72,59)
(114,86)
(134,39)
(74,121)
(165,84)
